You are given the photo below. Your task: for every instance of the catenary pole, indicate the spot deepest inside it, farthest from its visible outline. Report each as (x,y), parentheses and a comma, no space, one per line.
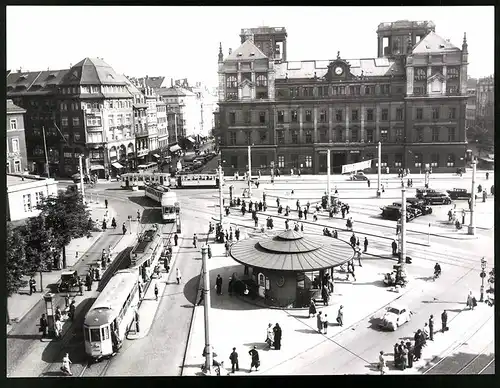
(221,198)
(47,169)
(328,168)
(379,168)
(249,172)
(206,292)
(472,226)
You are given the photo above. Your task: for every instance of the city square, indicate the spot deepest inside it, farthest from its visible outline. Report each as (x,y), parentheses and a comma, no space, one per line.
(260,220)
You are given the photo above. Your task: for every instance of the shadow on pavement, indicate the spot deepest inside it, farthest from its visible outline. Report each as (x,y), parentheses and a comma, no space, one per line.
(460,363)
(114,189)
(25,336)
(425,278)
(259,345)
(443,301)
(72,341)
(191,289)
(308,331)
(378,283)
(53,374)
(375,323)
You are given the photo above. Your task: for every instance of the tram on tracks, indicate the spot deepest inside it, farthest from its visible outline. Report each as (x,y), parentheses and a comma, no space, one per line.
(166,198)
(147,252)
(150,167)
(199,181)
(106,322)
(140,179)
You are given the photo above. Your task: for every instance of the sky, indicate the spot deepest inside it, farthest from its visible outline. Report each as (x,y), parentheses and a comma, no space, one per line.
(183,42)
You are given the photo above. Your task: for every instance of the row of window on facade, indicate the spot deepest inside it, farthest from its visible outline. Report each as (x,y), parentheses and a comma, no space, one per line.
(27,202)
(339,115)
(92,89)
(232,81)
(17,167)
(420,73)
(293,161)
(339,136)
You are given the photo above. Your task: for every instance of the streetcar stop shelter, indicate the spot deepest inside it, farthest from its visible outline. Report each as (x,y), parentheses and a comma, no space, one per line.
(288,268)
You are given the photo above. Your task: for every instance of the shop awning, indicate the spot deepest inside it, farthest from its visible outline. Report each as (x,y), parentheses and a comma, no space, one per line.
(175,148)
(156,156)
(96,167)
(191,139)
(116,165)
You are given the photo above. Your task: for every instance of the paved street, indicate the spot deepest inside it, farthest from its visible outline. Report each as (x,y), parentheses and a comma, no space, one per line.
(163,350)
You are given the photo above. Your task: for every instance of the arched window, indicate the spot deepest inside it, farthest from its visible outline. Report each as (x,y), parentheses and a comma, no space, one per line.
(261,280)
(450,161)
(261,80)
(231,82)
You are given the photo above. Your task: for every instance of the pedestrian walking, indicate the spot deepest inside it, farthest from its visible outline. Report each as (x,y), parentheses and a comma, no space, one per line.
(230,286)
(444,321)
(195,240)
(80,286)
(368,182)
(358,254)
(66,301)
(43,326)
(72,310)
(319,321)
(394,248)
(226,245)
(32,284)
(325,324)
(156,291)
(255,358)
(124,228)
(325,295)
(176,239)
(301,227)
(106,203)
(58,328)
(218,285)
(411,354)
(474,302)
(234,361)
(469,300)
(178,275)
(270,335)
(237,234)
(312,308)
(431,327)
(382,366)
(365,243)
(277,336)
(340,316)
(209,251)
(136,319)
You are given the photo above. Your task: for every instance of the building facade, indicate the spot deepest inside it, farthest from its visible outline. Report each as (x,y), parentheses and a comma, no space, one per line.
(485,102)
(25,192)
(411,98)
(17,158)
(86,109)
(470,114)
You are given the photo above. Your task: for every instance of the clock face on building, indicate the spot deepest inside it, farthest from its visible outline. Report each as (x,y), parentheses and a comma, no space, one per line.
(338,70)
(280,282)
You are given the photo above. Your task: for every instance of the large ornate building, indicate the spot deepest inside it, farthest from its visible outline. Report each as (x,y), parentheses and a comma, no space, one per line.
(411,98)
(88,109)
(17,160)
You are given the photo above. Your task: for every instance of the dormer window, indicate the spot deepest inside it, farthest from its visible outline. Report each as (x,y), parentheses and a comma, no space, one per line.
(252,54)
(441,46)
(239,55)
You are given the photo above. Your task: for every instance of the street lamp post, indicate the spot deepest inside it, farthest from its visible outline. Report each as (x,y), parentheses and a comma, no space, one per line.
(81,176)
(328,188)
(206,309)
(249,172)
(483,275)
(379,168)
(472,226)
(402,256)
(221,198)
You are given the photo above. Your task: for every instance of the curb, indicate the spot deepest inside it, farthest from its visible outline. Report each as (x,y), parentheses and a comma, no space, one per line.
(191,326)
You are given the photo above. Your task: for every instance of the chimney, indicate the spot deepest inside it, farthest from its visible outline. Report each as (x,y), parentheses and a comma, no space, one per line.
(230,51)
(147,77)
(20,70)
(171,82)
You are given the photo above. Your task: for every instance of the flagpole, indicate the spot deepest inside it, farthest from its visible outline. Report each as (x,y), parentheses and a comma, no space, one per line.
(47,169)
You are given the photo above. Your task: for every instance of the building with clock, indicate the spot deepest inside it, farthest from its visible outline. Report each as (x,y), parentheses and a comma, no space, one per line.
(411,98)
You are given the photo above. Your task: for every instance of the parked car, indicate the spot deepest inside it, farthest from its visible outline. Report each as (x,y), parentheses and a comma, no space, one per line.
(458,194)
(358,176)
(437,198)
(69,279)
(421,193)
(420,205)
(393,212)
(395,316)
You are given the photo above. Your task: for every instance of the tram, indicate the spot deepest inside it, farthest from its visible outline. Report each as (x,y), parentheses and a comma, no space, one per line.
(147,252)
(200,181)
(150,167)
(140,179)
(106,322)
(166,198)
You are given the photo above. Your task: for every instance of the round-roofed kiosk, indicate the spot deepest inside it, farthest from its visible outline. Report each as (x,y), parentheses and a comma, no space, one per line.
(288,269)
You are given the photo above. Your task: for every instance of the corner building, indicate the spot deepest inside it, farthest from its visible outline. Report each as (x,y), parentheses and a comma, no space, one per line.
(411,98)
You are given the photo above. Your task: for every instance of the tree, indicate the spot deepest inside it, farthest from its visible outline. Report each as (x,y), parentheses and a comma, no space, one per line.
(15,265)
(38,250)
(67,217)
(480,135)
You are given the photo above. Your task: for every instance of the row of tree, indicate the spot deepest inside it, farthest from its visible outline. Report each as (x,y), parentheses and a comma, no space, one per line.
(37,245)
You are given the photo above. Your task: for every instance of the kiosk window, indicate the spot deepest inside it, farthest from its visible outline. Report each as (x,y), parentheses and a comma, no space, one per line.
(95,335)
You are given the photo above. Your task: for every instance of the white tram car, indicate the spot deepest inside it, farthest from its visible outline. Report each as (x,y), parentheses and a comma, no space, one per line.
(166,198)
(141,179)
(111,314)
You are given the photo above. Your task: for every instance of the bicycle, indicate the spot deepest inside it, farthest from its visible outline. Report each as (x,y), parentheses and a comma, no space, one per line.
(216,367)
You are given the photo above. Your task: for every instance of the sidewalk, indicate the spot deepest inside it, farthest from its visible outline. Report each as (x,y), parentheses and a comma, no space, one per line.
(21,303)
(148,305)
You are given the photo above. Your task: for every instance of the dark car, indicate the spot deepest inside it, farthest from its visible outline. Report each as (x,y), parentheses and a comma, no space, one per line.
(458,194)
(393,212)
(437,198)
(69,280)
(420,205)
(421,193)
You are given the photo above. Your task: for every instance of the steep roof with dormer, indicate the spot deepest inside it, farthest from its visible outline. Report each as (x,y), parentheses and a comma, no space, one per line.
(433,43)
(92,71)
(247,51)
(13,108)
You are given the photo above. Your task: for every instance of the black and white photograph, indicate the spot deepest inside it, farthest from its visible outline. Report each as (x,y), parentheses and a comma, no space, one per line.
(249,191)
